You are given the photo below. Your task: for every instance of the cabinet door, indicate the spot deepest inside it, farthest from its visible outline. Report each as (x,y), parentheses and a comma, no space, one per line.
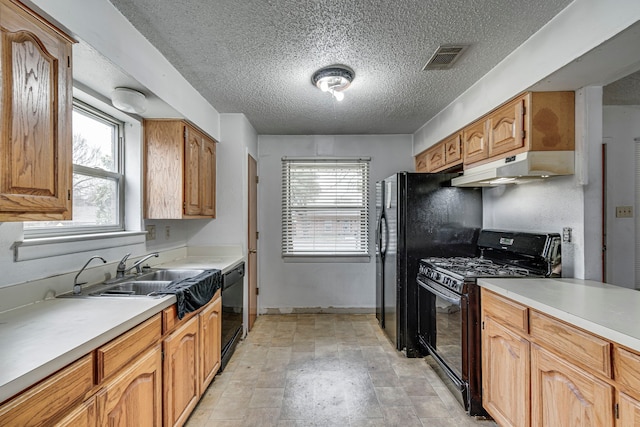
(134,397)
(82,416)
(474,142)
(35,143)
(505,374)
(210,337)
(563,395)
(628,411)
(192,183)
(180,373)
(208,176)
(453,150)
(421,162)
(435,157)
(506,128)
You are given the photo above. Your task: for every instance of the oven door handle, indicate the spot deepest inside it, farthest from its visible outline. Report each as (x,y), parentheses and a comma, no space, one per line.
(441,292)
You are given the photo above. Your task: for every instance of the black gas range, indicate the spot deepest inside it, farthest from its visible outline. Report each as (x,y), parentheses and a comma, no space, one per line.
(449,302)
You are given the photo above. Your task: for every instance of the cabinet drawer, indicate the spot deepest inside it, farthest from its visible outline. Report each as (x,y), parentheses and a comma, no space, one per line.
(46,400)
(504,310)
(170,318)
(118,352)
(572,343)
(626,369)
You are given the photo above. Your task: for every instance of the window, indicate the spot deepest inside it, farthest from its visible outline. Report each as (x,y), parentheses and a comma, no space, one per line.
(97,177)
(325,207)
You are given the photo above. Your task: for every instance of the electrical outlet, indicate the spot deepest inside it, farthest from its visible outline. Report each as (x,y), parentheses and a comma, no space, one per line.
(624,211)
(151,232)
(167,232)
(566,235)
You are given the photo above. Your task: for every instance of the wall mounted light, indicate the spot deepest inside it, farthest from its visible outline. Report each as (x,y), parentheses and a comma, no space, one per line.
(129,100)
(333,79)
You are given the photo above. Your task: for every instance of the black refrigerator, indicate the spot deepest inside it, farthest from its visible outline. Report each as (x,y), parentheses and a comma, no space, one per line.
(417,215)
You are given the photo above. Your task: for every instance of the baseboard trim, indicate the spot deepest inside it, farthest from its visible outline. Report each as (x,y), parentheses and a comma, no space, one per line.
(318,310)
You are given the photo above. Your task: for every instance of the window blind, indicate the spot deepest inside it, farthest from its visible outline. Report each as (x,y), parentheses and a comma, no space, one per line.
(325,207)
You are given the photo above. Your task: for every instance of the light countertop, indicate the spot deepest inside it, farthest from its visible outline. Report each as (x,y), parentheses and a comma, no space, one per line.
(38,339)
(612,312)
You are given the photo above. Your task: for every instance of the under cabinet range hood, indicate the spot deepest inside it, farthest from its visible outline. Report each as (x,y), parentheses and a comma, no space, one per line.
(518,169)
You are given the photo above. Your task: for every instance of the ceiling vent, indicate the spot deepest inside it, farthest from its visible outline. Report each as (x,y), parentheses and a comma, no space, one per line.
(445,56)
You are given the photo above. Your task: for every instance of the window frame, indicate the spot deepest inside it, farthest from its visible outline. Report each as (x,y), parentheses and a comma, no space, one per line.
(118,177)
(287,253)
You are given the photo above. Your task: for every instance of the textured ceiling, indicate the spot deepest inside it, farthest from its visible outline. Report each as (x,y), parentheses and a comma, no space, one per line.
(257,56)
(625,91)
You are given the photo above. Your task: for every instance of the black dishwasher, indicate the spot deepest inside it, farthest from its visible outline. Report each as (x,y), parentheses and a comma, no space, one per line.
(232,311)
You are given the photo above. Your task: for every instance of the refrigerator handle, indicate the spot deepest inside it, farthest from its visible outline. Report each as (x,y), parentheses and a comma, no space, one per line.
(383,250)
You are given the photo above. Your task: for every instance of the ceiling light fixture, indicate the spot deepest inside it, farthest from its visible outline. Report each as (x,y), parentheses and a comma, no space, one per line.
(333,79)
(129,100)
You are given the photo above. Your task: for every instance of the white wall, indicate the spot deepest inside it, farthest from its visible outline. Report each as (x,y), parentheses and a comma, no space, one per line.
(621,124)
(547,207)
(289,286)
(102,26)
(238,137)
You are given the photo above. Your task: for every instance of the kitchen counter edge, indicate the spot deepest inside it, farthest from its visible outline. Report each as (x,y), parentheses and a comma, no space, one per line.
(606,310)
(31,373)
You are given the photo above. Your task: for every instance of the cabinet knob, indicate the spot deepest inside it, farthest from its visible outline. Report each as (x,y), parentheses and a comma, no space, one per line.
(253,251)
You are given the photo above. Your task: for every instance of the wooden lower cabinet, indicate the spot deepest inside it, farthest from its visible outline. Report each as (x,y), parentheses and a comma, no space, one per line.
(180,372)
(564,395)
(134,396)
(628,411)
(553,373)
(505,374)
(210,342)
(82,416)
(50,399)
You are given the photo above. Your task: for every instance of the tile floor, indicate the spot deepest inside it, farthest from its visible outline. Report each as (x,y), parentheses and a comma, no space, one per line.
(325,370)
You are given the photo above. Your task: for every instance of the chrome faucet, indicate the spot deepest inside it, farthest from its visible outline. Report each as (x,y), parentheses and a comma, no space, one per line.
(122,265)
(77,287)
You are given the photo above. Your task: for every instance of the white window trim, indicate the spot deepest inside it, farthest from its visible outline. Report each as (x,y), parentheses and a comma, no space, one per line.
(327,257)
(118,177)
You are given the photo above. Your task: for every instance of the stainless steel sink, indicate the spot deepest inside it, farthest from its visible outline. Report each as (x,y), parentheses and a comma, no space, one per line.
(144,285)
(169,275)
(132,288)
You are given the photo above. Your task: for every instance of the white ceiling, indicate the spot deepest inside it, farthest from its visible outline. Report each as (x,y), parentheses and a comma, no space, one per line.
(257,56)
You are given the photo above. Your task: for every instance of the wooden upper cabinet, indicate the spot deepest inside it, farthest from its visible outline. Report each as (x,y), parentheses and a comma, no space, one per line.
(443,155)
(435,157)
(208,169)
(474,142)
(421,162)
(453,150)
(534,121)
(192,184)
(506,125)
(180,171)
(36,104)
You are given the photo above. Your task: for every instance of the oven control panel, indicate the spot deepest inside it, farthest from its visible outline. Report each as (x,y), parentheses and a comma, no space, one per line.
(441,277)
